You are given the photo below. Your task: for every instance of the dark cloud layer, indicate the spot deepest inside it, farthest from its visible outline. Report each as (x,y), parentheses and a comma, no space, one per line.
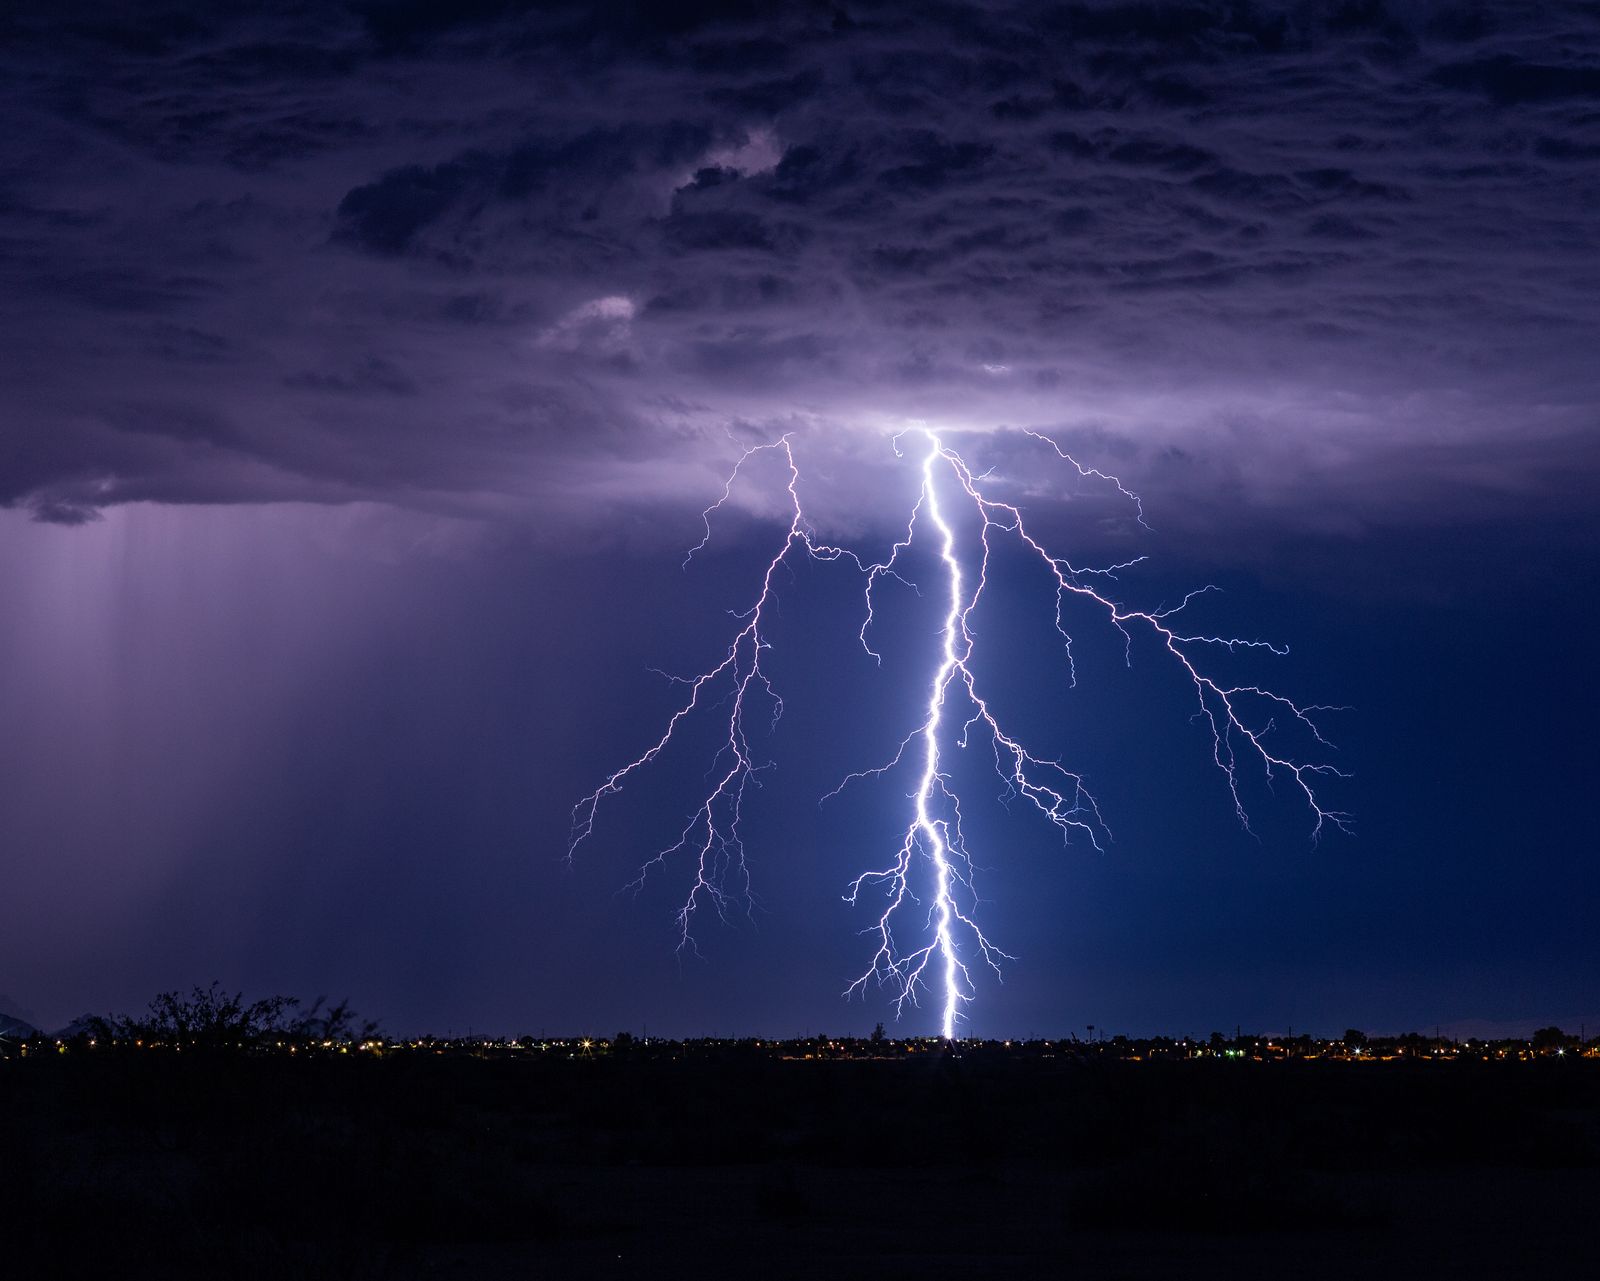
(479,256)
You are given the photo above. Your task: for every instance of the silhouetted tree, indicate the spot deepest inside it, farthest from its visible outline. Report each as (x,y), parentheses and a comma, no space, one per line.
(211,1018)
(336,1023)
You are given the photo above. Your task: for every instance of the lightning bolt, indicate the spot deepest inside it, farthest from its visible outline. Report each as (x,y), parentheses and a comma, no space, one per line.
(932,852)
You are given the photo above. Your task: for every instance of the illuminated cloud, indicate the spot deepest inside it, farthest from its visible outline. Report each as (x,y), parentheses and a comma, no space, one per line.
(490,261)
(603,326)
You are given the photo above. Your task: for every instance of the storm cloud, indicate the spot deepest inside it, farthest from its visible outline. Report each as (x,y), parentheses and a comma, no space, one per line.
(512,259)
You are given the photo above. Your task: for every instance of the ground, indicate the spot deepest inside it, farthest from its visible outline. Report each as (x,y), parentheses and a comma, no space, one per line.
(415,1165)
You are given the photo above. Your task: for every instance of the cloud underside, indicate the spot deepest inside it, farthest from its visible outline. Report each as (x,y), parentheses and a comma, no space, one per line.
(523,259)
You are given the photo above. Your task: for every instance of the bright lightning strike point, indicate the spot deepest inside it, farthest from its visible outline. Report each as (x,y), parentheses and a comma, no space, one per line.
(933,846)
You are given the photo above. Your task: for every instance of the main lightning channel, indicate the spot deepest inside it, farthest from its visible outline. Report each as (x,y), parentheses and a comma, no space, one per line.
(933,846)
(938,850)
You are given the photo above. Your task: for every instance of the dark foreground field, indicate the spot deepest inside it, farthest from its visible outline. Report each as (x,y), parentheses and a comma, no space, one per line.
(162,1165)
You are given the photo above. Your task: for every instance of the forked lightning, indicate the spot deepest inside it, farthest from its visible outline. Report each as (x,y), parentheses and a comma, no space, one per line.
(932,854)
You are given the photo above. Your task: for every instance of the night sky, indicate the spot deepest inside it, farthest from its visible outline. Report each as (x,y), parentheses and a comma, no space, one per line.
(366,368)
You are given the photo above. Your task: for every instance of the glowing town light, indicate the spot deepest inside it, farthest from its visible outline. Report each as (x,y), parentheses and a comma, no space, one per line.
(933,845)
